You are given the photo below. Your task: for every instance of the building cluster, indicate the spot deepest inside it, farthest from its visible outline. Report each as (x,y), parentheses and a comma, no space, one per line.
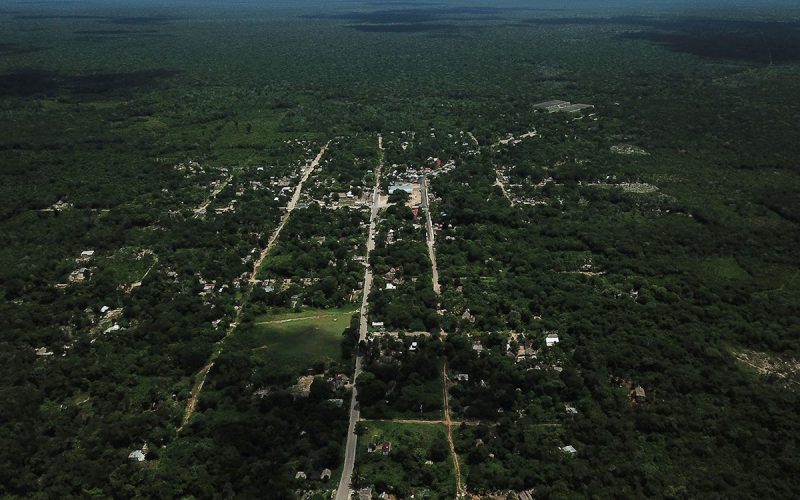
(433,167)
(189,167)
(348,199)
(628,149)
(324,475)
(504,180)
(513,141)
(383,448)
(392,278)
(82,273)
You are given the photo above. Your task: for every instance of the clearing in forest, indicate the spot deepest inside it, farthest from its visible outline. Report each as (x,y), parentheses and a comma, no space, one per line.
(293,342)
(417,458)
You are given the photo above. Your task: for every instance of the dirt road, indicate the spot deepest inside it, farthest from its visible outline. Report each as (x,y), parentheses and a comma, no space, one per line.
(201,209)
(289,208)
(502,187)
(200,379)
(460,490)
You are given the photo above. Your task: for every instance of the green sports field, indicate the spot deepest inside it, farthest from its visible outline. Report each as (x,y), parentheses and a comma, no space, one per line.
(293,342)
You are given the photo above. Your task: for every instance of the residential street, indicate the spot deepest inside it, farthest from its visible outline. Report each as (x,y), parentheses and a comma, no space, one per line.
(431,238)
(344,490)
(191,404)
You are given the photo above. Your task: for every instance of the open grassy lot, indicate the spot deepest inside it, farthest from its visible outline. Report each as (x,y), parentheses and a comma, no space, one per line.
(127,265)
(293,342)
(419,459)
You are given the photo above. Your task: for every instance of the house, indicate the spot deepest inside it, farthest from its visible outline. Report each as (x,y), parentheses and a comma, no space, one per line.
(86,254)
(371,447)
(113,328)
(413,347)
(377,324)
(569,449)
(79,275)
(468,316)
(325,475)
(391,286)
(300,475)
(295,300)
(42,351)
(570,410)
(526,495)
(365,493)
(104,309)
(477,346)
(551,339)
(462,377)
(340,380)
(639,394)
(136,456)
(386,447)
(337,402)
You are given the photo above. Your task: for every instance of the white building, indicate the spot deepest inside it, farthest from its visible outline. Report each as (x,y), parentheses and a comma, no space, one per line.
(551,339)
(408,188)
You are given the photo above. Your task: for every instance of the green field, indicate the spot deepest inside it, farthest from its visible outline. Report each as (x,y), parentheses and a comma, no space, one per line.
(419,459)
(127,266)
(293,342)
(726,268)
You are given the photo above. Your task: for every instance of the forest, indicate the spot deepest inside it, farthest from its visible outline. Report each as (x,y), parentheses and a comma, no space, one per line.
(149,155)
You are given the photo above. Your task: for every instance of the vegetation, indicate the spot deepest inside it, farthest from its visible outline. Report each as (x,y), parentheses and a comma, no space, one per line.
(417,460)
(402,378)
(145,156)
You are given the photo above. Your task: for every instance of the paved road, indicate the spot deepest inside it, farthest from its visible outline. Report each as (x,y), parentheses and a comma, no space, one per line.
(431,238)
(343,492)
